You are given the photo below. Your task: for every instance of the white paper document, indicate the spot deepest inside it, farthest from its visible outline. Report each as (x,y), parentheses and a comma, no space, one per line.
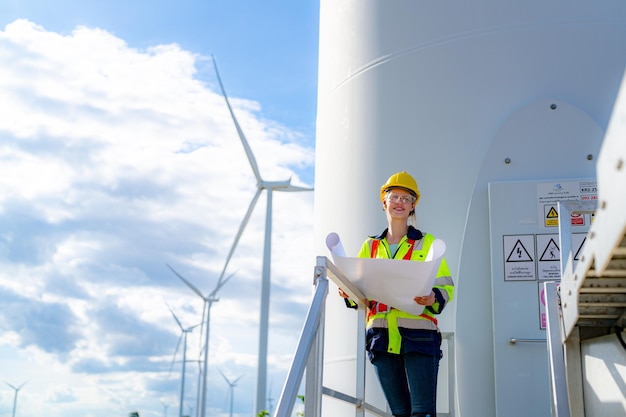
(390,281)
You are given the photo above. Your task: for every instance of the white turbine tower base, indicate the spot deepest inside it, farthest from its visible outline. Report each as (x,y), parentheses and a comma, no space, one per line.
(261,390)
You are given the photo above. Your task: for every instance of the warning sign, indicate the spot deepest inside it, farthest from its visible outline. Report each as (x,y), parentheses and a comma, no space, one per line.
(578,219)
(519,263)
(549,194)
(549,264)
(551,252)
(551,216)
(578,243)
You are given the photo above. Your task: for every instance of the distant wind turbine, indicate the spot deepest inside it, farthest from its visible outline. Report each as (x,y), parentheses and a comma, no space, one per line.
(17,390)
(231,389)
(208,303)
(183,338)
(165,406)
(270,186)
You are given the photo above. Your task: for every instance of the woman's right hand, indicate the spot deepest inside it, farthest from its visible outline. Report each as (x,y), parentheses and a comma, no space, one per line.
(343,294)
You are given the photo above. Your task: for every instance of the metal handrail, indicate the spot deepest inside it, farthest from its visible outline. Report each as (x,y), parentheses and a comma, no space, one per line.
(311,332)
(310,351)
(515,340)
(556,356)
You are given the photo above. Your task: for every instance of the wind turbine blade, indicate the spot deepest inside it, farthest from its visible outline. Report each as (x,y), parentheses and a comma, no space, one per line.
(189,284)
(240,231)
(12,385)
(224,376)
(221,284)
(236,379)
(180,338)
(244,141)
(174,315)
(189,329)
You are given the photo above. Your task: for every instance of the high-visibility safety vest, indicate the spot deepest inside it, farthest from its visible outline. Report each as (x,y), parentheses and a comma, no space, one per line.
(414,246)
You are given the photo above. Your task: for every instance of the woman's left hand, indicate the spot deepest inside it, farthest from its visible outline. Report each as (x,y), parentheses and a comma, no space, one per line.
(426,300)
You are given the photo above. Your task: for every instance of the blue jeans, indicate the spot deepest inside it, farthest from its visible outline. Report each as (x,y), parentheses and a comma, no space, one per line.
(409,382)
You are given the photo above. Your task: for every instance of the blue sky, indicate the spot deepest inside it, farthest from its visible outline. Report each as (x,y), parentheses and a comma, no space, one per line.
(118,157)
(267,51)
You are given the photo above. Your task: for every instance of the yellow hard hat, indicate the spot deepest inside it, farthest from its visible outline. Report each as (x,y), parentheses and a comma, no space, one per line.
(401,180)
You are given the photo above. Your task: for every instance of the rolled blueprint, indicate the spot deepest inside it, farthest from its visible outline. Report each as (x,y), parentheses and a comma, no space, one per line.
(333,243)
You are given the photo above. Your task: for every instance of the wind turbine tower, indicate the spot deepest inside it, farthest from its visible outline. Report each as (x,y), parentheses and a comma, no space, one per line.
(270,186)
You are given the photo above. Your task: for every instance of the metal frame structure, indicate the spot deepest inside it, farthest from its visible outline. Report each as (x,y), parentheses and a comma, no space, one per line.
(556,359)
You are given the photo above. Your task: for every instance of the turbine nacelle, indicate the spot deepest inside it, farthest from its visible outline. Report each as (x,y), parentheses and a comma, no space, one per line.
(280,186)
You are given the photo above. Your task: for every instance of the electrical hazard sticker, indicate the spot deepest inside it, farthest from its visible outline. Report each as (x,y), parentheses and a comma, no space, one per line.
(519,257)
(551,216)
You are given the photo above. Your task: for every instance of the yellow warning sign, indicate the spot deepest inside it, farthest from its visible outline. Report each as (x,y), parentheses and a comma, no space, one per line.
(551,216)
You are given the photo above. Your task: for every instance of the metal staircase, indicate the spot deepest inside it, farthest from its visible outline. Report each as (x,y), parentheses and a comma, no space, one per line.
(593,294)
(590,300)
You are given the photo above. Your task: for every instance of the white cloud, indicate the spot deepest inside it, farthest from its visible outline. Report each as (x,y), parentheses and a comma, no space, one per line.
(114,162)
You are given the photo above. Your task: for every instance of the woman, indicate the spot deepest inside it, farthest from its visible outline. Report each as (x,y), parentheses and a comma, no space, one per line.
(405,349)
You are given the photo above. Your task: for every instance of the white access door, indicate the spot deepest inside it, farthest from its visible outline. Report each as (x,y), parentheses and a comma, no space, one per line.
(525,254)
